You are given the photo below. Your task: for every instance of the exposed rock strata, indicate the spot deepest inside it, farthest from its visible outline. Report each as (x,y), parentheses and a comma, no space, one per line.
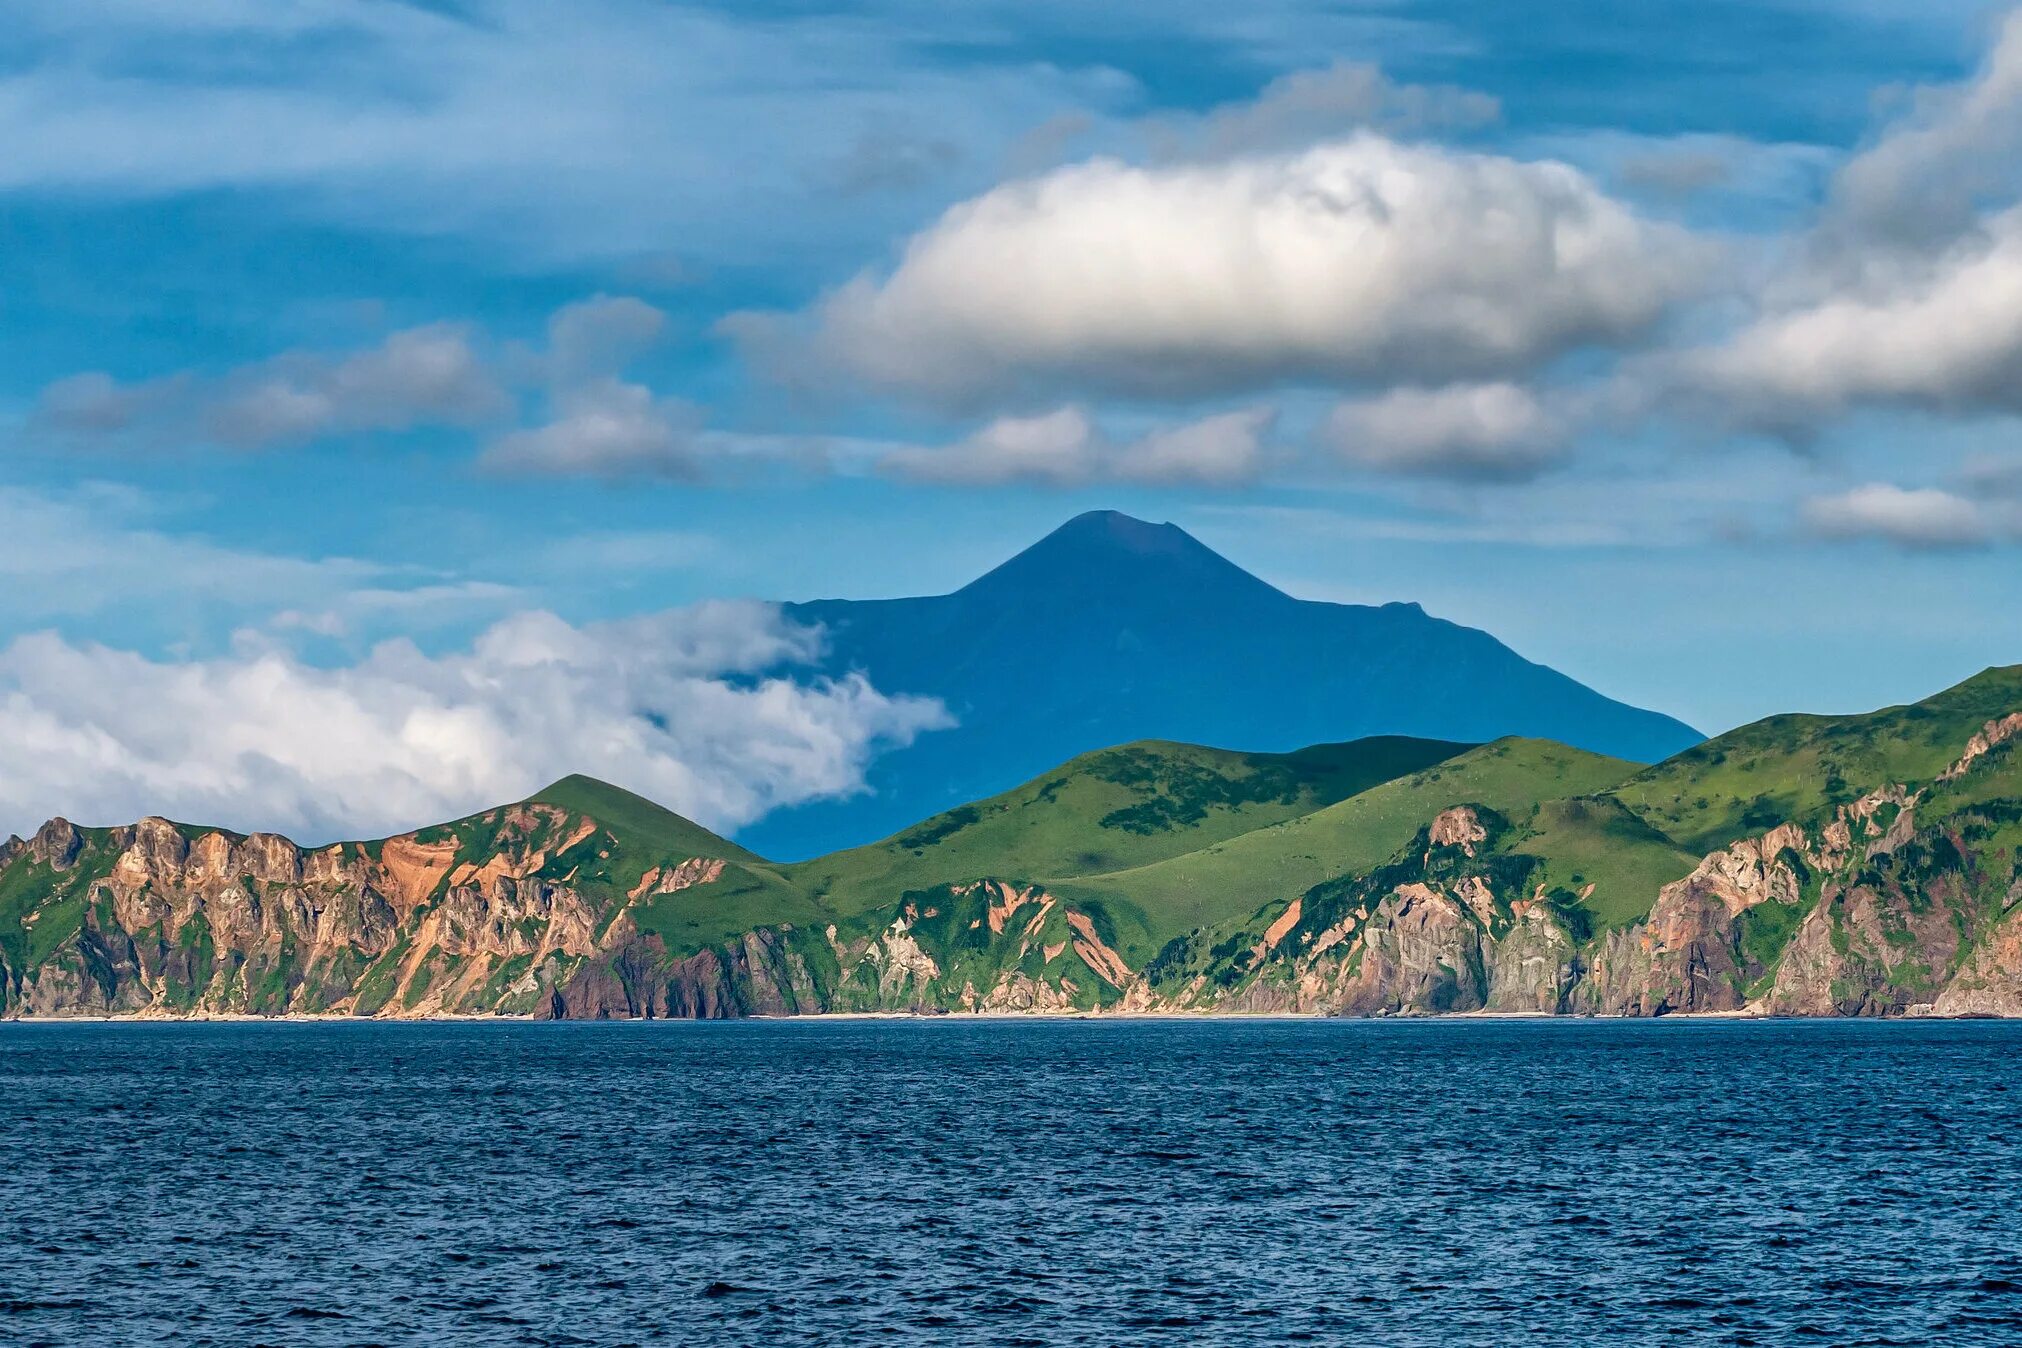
(1904,900)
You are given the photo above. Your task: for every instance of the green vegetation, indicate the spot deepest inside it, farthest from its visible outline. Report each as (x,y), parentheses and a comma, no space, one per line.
(643,826)
(1108,811)
(1798,768)
(1232,879)
(1596,841)
(1177,857)
(743,899)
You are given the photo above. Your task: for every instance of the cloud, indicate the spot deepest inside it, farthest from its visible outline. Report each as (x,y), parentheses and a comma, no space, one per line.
(413,606)
(1365,260)
(426,376)
(1924,519)
(1223,450)
(678,706)
(1678,170)
(1496,430)
(1066,448)
(108,557)
(102,546)
(421,376)
(607,428)
(889,158)
(1957,149)
(1943,335)
(600,335)
(93,403)
(1993,476)
(608,129)
(1908,290)
(1306,107)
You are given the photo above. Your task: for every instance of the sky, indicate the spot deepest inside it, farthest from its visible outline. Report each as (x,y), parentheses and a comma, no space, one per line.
(406,403)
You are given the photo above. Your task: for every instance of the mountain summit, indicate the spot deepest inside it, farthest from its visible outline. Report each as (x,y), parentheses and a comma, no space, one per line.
(1112,629)
(1107,555)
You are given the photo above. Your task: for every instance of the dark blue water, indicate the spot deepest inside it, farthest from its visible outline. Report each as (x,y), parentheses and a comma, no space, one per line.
(1042,1182)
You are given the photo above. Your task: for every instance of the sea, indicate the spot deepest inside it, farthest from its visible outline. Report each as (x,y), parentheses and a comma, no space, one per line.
(1012,1182)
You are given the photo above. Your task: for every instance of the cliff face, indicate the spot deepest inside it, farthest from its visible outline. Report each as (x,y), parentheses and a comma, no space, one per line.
(1901,898)
(159,918)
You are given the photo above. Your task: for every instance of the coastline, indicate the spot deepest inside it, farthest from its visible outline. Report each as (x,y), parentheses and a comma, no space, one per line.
(325,1018)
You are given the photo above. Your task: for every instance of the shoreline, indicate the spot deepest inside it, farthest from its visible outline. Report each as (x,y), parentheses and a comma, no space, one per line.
(339,1018)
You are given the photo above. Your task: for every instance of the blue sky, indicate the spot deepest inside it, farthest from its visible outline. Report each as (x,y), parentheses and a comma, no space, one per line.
(1678,347)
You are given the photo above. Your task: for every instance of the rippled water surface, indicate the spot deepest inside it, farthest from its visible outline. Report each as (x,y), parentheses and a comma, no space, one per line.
(1221,1182)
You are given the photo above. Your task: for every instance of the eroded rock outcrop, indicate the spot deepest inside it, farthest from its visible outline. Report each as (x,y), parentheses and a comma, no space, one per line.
(1902,900)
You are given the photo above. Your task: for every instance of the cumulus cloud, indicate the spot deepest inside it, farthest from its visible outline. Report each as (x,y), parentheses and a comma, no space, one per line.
(1365,260)
(1944,335)
(1065,447)
(678,706)
(608,428)
(1920,519)
(1221,450)
(1494,430)
(1908,292)
(1957,149)
(428,375)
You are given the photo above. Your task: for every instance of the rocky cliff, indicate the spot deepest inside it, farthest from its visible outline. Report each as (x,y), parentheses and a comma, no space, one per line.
(1886,897)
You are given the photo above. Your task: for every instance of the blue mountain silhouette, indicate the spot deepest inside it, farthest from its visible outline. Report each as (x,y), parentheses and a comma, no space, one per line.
(1112,629)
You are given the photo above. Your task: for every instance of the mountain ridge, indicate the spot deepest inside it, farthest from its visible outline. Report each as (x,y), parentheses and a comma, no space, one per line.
(1859,865)
(1112,629)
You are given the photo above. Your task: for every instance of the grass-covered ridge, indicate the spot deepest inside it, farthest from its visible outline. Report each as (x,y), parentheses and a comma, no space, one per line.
(1150,870)
(1234,877)
(1111,810)
(640,822)
(1800,768)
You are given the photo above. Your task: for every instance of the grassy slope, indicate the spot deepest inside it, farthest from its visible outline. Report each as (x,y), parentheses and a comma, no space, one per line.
(751,892)
(1800,767)
(1168,838)
(1596,840)
(1111,810)
(638,821)
(1234,878)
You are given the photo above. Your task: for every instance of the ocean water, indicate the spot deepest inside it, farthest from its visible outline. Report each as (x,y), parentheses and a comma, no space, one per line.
(1012,1182)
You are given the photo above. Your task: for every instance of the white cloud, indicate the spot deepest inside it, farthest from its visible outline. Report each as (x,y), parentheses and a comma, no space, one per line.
(421,376)
(1058,447)
(595,130)
(1223,450)
(677,707)
(103,556)
(1365,260)
(426,376)
(1908,291)
(1923,519)
(1943,334)
(1496,430)
(1065,447)
(1956,148)
(606,428)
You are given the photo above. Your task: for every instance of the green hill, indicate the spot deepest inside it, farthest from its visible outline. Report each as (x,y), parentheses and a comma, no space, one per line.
(1111,810)
(643,825)
(1232,879)
(1381,876)
(1798,768)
